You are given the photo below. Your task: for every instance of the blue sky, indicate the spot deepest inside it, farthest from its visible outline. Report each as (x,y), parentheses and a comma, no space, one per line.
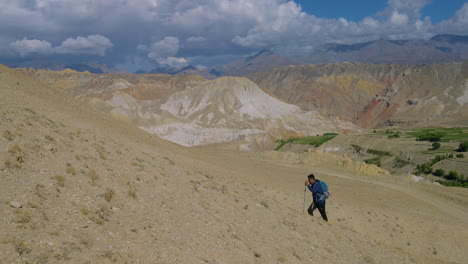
(144,34)
(437,10)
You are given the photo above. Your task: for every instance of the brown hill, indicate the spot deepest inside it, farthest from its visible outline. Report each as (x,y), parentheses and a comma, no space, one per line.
(370,95)
(80,187)
(191,111)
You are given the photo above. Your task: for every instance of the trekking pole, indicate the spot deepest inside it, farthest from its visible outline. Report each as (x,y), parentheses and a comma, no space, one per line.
(305,194)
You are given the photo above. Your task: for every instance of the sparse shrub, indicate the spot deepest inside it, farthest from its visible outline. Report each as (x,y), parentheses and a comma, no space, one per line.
(22,216)
(379,152)
(460,155)
(375,161)
(132,192)
(356,148)
(60,180)
(7,134)
(463,147)
(70,170)
(264,204)
(396,135)
(425,168)
(85,211)
(93,176)
(101,151)
(49,138)
(439,173)
(54,233)
(400,163)
(14,149)
(108,195)
(435,145)
(169,160)
(450,156)
(21,247)
(452,175)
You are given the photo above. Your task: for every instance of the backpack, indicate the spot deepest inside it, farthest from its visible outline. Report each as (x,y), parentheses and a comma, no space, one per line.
(325,192)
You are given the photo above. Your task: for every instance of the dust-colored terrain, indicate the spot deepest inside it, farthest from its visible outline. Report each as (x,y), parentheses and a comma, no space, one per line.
(78,186)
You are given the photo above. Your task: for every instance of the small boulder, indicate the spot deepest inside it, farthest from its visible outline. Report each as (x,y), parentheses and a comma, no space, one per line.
(15,204)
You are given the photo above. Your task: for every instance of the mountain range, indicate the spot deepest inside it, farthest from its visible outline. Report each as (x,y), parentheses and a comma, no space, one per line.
(279,103)
(438,49)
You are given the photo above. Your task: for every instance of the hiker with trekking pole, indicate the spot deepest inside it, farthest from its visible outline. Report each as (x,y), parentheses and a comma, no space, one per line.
(320,193)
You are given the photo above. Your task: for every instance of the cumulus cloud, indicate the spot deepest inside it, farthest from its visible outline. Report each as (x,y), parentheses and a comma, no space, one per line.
(165,48)
(26,46)
(399,19)
(173,61)
(94,44)
(457,24)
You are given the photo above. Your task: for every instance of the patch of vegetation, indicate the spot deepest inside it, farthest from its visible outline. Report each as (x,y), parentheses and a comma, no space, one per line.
(85,211)
(440,134)
(93,176)
(439,173)
(426,168)
(393,135)
(49,138)
(60,180)
(101,151)
(264,204)
(460,155)
(22,216)
(463,184)
(132,192)
(379,152)
(7,134)
(400,163)
(108,195)
(463,147)
(435,145)
(21,247)
(315,141)
(375,161)
(70,169)
(169,160)
(356,148)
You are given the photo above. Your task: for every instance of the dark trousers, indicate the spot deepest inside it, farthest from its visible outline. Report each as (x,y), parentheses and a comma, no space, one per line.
(320,206)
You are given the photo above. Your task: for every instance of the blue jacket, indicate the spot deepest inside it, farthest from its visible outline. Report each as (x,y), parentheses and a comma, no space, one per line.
(316,189)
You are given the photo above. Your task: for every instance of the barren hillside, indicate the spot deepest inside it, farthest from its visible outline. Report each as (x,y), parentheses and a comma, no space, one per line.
(191,111)
(375,95)
(80,187)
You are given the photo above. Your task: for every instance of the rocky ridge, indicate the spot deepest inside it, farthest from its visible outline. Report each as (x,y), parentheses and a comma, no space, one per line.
(374,95)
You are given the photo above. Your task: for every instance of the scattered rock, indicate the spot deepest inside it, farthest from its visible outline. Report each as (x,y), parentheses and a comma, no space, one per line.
(15,204)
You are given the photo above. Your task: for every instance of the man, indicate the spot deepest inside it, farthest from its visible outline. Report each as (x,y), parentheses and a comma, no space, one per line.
(318,199)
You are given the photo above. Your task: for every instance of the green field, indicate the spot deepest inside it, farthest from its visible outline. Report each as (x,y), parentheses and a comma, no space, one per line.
(315,141)
(446,134)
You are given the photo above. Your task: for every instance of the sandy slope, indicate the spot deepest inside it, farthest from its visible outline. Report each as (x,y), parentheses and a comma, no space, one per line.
(79,187)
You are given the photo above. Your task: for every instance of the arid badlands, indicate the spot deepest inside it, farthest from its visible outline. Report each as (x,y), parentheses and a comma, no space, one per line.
(155,168)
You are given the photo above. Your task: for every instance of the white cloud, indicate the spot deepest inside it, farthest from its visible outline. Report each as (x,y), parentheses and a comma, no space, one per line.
(457,24)
(196,39)
(94,44)
(27,46)
(398,19)
(173,61)
(165,48)
(161,29)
